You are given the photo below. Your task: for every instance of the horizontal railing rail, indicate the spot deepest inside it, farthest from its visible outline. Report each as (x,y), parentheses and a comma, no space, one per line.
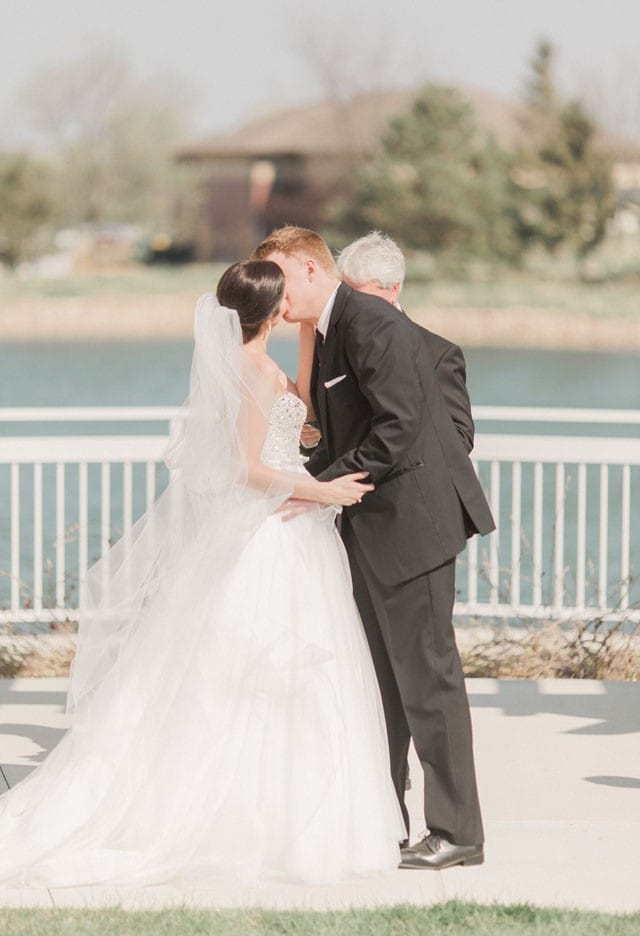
(545,414)
(46,414)
(549,414)
(567,508)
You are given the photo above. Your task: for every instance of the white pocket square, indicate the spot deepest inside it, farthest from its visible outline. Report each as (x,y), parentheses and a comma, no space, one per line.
(332,383)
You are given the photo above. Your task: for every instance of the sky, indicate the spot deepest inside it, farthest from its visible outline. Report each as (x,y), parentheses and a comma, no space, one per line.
(239,59)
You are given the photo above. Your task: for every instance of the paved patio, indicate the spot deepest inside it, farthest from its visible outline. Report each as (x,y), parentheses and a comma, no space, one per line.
(559,772)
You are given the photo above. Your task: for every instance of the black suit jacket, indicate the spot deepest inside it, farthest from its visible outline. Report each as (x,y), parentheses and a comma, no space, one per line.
(449,364)
(383,412)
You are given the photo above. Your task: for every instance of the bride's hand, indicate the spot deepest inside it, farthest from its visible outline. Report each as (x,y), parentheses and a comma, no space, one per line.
(293,507)
(347,490)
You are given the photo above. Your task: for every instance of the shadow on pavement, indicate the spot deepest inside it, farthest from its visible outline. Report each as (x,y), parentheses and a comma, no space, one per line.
(632,783)
(615,711)
(35,697)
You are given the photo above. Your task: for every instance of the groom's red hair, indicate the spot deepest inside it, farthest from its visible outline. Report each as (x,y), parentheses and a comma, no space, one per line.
(291,240)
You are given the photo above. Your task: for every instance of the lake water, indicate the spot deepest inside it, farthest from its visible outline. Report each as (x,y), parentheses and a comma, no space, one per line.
(132,374)
(157,374)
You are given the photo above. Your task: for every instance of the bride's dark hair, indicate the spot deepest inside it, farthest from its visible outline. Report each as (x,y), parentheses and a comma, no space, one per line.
(254,288)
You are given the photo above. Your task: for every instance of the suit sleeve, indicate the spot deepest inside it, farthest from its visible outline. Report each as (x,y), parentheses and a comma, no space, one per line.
(452,377)
(319,460)
(383,358)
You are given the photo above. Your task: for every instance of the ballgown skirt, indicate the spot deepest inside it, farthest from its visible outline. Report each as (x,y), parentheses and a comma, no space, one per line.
(247,744)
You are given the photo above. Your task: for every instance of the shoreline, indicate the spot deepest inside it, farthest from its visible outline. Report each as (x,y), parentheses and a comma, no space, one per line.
(170,318)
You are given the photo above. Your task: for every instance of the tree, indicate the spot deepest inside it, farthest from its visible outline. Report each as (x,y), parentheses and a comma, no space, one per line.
(113,139)
(25,206)
(437,183)
(566,192)
(540,90)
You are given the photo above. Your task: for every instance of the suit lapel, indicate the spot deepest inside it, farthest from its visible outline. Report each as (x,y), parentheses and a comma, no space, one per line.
(321,392)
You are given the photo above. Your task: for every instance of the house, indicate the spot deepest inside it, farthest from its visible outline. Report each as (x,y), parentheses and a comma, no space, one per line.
(286,166)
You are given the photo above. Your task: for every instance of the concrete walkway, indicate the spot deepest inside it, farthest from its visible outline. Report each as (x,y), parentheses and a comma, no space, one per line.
(559,772)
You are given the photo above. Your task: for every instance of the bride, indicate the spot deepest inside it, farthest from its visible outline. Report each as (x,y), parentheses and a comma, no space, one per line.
(226,720)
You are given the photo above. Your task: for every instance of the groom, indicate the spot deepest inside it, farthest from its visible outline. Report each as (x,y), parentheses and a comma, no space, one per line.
(381,410)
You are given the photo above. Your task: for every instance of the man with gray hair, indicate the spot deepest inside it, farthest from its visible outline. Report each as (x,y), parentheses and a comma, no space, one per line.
(374,264)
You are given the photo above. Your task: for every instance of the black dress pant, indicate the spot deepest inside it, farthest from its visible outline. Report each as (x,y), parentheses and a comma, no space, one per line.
(410,632)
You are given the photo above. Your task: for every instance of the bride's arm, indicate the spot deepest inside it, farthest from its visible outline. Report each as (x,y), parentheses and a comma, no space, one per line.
(344,491)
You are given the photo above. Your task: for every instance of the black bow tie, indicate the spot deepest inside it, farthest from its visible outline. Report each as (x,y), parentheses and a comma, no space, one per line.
(319,344)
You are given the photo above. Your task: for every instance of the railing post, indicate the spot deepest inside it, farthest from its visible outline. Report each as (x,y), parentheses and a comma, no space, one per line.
(558,590)
(127,497)
(604,530)
(625,537)
(150,483)
(83,526)
(495,509)
(60,535)
(15,536)
(581,536)
(37,536)
(516,523)
(537,534)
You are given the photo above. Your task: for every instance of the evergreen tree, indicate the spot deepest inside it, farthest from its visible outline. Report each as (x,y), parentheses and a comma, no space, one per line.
(540,90)
(565,179)
(437,184)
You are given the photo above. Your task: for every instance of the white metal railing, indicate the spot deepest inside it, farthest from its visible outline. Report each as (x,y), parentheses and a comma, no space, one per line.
(568,470)
(551,414)
(59,456)
(125,414)
(567,508)
(79,414)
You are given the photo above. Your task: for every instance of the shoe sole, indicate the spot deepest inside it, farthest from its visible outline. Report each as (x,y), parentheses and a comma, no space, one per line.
(427,866)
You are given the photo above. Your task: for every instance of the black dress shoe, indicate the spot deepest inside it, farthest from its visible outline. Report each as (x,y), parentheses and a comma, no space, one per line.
(438,853)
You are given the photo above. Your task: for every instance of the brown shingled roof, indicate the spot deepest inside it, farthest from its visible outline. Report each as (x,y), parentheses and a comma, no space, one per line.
(327,128)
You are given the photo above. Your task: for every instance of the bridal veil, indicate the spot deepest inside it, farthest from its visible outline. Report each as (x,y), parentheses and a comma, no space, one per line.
(206,514)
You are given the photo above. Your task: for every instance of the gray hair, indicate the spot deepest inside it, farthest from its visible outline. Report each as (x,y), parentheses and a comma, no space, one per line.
(374,257)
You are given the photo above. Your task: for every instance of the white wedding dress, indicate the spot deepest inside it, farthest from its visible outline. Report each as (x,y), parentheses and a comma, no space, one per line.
(248,743)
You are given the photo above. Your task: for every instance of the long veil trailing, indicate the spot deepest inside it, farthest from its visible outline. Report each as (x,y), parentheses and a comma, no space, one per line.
(225,714)
(206,514)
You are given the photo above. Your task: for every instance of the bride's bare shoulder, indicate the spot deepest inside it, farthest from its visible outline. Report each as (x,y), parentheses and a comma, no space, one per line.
(268,369)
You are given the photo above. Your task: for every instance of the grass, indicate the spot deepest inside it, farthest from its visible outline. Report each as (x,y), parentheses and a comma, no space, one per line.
(617,300)
(448,919)
(606,285)
(552,303)
(507,290)
(134,280)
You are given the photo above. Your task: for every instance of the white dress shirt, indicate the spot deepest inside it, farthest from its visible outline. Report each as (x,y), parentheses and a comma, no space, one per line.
(323,321)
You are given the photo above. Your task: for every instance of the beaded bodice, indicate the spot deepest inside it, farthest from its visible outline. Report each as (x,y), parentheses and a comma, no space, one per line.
(281,448)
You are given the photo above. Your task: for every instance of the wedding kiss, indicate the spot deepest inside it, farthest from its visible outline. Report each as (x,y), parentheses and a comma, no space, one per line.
(249,672)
